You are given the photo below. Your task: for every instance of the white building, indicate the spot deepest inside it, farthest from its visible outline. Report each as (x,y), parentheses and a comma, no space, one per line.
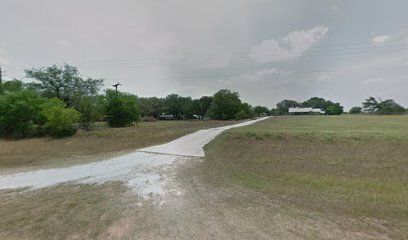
(304,111)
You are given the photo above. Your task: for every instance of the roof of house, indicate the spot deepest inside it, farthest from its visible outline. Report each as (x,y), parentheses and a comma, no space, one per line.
(305,110)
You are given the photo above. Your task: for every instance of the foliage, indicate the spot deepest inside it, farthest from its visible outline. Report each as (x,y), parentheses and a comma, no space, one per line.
(63,82)
(225,105)
(334,109)
(152,106)
(201,106)
(245,112)
(258,110)
(91,109)
(388,106)
(370,105)
(284,105)
(19,113)
(26,114)
(355,110)
(316,102)
(11,86)
(59,120)
(122,109)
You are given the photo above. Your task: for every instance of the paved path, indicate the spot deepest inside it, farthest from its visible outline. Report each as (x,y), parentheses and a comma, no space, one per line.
(144,170)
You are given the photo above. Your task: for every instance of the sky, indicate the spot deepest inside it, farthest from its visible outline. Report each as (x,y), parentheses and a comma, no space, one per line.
(267,50)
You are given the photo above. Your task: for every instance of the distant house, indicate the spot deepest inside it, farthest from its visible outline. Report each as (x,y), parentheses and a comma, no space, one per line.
(305,111)
(166,116)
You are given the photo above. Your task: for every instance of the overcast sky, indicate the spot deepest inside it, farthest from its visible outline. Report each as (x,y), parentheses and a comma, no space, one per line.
(267,50)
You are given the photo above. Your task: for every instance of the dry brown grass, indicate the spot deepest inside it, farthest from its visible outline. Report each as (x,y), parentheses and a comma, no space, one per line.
(66,212)
(98,144)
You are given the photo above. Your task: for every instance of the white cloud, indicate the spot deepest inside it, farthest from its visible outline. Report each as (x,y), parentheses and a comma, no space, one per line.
(380,40)
(290,47)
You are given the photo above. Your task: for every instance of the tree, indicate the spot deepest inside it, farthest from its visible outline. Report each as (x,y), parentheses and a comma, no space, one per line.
(389,106)
(225,105)
(63,82)
(26,114)
(152,106)
(245,112)
(11,86)
(334,109)
(121,109)
(284,105)
(370,105)
(258,110)
(201,106)
(19,113)
(316,102)
(174,104)
(355,110)
(91,109)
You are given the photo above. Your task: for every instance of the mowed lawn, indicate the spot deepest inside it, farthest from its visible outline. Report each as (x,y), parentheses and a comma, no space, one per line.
(98,144)
(354,167)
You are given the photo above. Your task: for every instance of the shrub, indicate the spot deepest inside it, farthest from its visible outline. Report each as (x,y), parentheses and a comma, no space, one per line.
(19,113)
(121,109)
(355,110)
(59,121)
(91,109)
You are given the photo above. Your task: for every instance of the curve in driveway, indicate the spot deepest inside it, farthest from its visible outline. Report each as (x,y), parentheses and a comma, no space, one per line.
(144,170)
(192,144)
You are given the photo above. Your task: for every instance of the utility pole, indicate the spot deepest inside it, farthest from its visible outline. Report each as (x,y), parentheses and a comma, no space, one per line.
(1,72)
(116,86)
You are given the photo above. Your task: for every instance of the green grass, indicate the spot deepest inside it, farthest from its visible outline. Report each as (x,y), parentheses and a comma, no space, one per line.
(353,166)
(333,128)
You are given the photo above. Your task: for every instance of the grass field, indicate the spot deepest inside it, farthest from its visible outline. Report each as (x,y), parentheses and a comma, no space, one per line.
(355,167)
(98,144)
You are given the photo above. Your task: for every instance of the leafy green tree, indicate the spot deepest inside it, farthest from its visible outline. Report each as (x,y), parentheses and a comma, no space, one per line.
(284,105)
(152,106)
(63,82)
(389,106)
(225,105)
(20,113)
(274,112)
(11,86)
(334,109)
(316,102)
(201,106)
(355,110)
(245,112)
(91,109)
(122,109)
(370,105)
(174,104)
(59,120)
(258,110)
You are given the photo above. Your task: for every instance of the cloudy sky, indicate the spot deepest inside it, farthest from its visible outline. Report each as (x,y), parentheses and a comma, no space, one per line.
(267,50)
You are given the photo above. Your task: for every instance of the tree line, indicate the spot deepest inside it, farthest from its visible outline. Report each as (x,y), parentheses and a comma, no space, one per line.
(59,101)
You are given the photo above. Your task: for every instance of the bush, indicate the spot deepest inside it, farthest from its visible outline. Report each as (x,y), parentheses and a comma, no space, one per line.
(19,113)
(59,121)
(121,109)
(355,110)
(91,109)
